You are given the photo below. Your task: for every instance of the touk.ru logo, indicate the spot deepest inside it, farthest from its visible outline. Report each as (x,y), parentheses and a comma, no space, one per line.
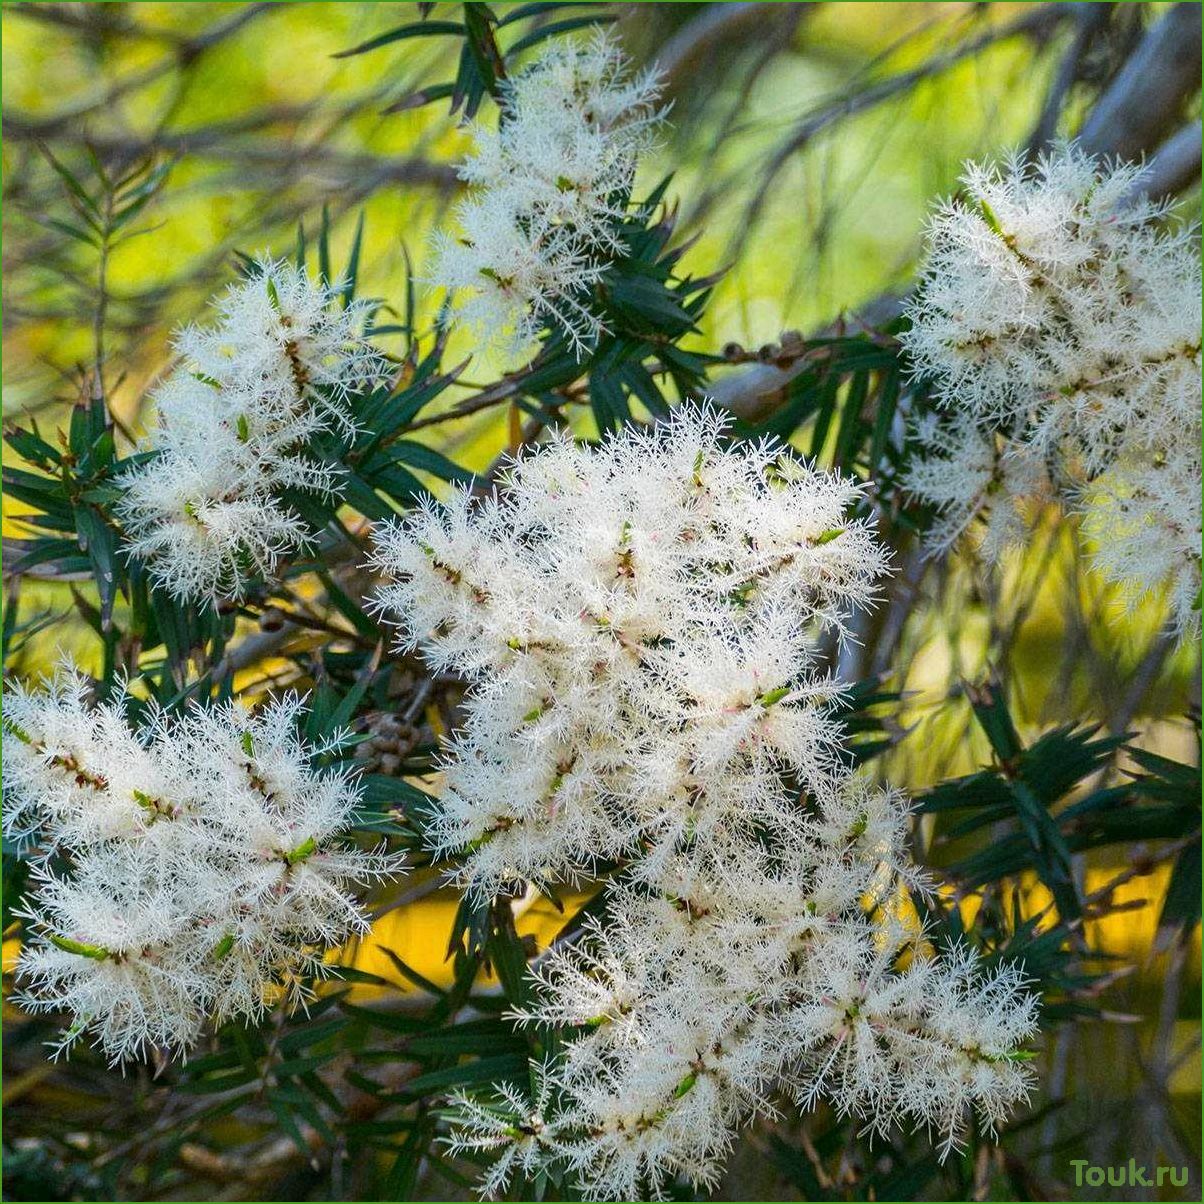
(1132,1175)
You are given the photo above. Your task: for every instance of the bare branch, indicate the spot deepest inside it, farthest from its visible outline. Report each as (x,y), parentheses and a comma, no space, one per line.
(1034,23)
(337,168)
(1146,98)
(1176,164)
(713,29)
(754,392)
(1090,19)
(185,50)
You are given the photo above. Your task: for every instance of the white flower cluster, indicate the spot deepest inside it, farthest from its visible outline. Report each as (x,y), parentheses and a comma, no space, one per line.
(548,188)
(186,870)
(205,511)
(639,620)
(1060,323)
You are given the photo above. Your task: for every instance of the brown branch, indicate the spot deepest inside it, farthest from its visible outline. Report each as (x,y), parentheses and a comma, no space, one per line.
(754,392)
(1145,675)
(506,389)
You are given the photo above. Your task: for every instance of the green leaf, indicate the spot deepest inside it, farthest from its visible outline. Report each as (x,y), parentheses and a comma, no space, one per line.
(415,100)
(99,541)
(522,11)
(94,952)
(639,381)
(474,1037)
(412,975)
(289,1125)
(29,445)
(888,400)
(392,1022)
(511,1067)
(358,493)
(324,247)
(422,29)
(344,604)
(353,262)
(88,206)
(45,493)
(991,711)
(147,187)
(403,1174)
(608,401)
(825,408)
(43,552)
(1181,904)
(91,238)
(851,424)
(643,302)
(1059,759)
(556,28)
(427,459)
(302,852)
(482,48)
(345,711)
(556,371)
(504,948)
(394,413)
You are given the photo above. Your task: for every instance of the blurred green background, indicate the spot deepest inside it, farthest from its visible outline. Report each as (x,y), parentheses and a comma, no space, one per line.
(269,126)
(807,142)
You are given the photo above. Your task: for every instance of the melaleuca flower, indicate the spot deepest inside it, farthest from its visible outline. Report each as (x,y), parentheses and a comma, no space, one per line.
(188,868)
(926,1043)
(506,286)
(549,187)
(1058,318)
(640,619)
(70,765)
(695,1010)
(206,510)
(639,622)
(508,1125)
(1142,518)
(968,473)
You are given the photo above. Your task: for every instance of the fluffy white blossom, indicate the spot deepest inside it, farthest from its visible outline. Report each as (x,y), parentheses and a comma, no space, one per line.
(510,1126)
(206,511)
(1142,517)
(1059,319)
(548,188)
(639,621)
(187,868)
